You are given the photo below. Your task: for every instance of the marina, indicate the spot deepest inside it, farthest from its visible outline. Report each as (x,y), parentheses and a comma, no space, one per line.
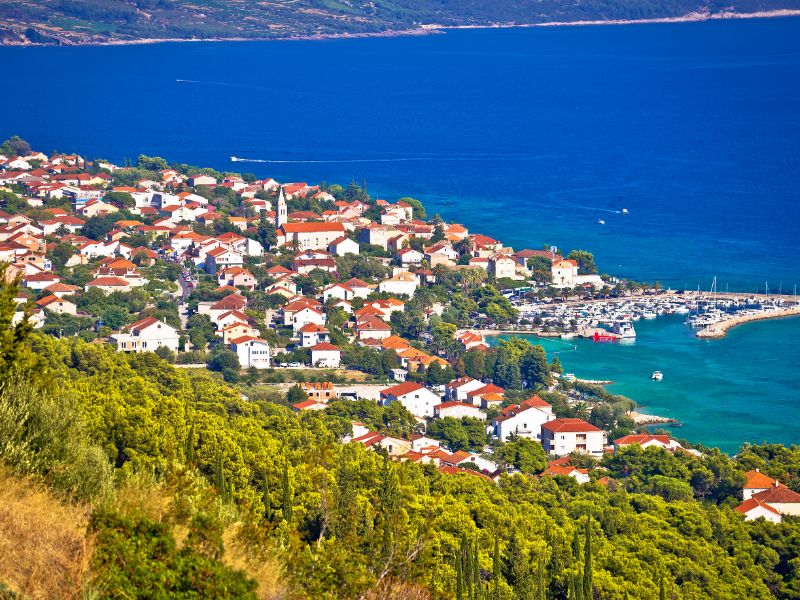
(711,315)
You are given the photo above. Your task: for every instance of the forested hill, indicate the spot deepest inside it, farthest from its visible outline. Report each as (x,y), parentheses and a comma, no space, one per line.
(102,21)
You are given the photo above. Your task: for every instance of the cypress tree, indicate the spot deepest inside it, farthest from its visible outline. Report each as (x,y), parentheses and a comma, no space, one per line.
(288,495)
(576,547)
(460,574)
(477,592)
(541,582)
(588,592)
(266,499)
(496,568)
(219,476)
(466,564)
(662,590)
(577,586)
(189,451)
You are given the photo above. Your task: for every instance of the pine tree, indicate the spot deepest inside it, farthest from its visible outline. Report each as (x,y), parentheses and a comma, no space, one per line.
(588,592)
(13,352)
(288,496)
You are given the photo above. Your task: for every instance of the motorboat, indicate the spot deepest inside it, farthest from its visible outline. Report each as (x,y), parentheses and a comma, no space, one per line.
(624,329)
(657,376)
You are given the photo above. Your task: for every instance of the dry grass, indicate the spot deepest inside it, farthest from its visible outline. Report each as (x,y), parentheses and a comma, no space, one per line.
(43,544)
(264,569)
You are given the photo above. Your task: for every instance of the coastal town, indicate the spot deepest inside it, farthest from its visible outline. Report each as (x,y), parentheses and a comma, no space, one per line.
(338,298)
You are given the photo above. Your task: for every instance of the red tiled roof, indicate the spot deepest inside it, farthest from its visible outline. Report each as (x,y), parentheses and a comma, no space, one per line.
(757,480)
(569,425)
(402,388)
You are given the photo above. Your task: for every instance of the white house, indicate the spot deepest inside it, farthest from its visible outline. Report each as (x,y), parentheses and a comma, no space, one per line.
(252,352)
(755,482)
(402,284)
(310,235)
(523,420)
(222,258)
(146,335)
(409,256)
(312,334)
(459,388)
(565,275)
(326,355)
(417,399)
(566,435)
(343,245)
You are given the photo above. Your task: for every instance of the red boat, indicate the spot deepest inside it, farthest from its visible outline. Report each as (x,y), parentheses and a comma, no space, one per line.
(599,337)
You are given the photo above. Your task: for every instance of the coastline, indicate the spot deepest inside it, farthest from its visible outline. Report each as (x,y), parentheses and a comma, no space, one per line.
(647,419)
(433,29)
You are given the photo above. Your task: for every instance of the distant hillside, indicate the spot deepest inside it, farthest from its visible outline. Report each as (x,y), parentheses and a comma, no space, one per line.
(107,21)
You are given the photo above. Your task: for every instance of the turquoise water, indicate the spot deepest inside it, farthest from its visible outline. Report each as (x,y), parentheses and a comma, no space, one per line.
(744,387)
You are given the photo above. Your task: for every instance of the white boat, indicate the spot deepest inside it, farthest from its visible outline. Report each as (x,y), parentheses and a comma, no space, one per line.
(624,211)
(624,329)
(649,315)
(657,376)
(601,222)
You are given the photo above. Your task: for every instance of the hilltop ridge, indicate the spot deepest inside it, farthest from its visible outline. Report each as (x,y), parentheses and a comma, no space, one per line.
(69,22)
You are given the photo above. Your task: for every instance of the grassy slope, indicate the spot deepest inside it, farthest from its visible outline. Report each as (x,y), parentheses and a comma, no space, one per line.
(43,542)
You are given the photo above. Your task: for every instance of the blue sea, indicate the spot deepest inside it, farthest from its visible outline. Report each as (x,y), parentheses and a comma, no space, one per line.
(528,135)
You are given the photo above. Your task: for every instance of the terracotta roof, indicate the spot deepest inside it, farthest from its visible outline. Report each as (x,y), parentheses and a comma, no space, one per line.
(402,389)
(325,346)
(108,282)
(778,494)
(751,503)
(757,480)
(569,425)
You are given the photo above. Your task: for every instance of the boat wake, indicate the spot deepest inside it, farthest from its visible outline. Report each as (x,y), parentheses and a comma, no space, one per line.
(383,160)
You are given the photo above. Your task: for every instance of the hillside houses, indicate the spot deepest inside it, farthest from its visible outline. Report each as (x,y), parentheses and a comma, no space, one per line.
(258,275)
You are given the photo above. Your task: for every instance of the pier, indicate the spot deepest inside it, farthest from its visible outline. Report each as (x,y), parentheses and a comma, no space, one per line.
(718,330)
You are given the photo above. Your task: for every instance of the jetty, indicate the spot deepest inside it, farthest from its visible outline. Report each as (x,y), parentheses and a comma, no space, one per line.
(719,329)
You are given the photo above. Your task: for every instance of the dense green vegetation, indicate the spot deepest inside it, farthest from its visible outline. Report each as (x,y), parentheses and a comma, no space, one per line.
(76,21)
(342,521)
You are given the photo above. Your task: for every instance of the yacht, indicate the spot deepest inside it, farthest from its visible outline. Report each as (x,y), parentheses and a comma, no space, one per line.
(624,329)
(624,211)
(601,222)
(649,314)
(657,376)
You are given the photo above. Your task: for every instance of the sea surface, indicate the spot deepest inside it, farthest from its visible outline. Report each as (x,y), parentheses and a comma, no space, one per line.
(528,135)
